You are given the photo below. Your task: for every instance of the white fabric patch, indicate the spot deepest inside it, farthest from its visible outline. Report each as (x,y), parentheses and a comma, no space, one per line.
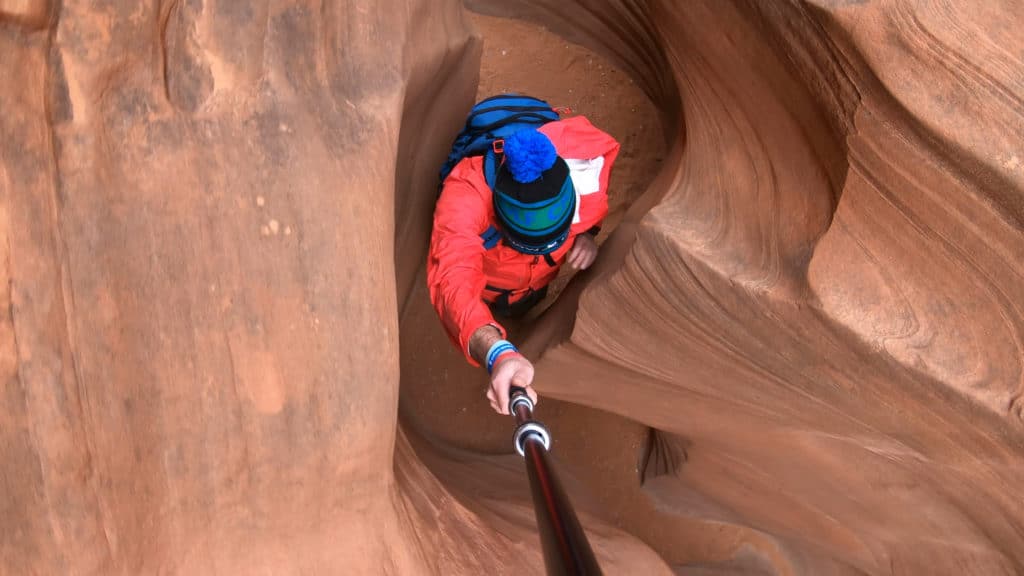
(586,179)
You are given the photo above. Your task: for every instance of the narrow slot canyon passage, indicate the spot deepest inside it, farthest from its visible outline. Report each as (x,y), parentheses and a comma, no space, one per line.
(610,462)
(732,267)
(441,395)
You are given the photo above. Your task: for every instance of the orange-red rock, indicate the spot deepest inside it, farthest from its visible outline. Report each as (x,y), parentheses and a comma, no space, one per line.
(824,303)
(215,215)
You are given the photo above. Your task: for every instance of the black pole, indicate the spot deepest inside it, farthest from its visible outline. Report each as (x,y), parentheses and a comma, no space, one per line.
(565,545)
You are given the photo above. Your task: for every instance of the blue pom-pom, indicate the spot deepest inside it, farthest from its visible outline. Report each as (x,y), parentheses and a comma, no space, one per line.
(527,154)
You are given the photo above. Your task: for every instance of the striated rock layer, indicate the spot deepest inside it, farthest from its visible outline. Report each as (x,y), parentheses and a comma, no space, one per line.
(212,211)
(822,309)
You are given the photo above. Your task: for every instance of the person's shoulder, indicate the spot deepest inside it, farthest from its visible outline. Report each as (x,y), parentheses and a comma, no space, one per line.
(466,182)
(469,172)
(570,125)
(579,121)
(577,137)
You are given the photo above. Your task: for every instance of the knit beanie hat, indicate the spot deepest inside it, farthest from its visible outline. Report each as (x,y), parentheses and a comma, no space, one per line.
(534,198)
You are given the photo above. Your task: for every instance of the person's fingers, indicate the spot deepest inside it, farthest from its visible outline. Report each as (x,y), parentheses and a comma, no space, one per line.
(591,255)
(582,254)
(491,398)
(570,256)
(502,394)
(515,371)
(574,257)
(532,394)
(588,260)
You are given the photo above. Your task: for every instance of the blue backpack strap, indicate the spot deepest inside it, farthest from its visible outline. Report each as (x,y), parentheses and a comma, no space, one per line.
(491,237)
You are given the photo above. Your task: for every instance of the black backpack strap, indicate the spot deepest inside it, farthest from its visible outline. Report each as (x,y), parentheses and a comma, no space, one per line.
(502,307)
(529,117)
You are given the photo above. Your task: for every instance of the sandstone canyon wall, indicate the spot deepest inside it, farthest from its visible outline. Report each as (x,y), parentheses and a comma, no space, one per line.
(215,212)
(821,312)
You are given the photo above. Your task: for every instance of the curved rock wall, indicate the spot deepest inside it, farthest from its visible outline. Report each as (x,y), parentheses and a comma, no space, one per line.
(822,311)
(200,341)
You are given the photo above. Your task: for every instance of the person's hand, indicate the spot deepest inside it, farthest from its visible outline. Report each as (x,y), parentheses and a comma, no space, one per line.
(582,253)
(512,370)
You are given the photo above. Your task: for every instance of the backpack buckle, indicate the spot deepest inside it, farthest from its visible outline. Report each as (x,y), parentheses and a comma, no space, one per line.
(498,146)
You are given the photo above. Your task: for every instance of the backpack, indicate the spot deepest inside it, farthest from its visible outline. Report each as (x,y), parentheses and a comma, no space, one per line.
(492,119)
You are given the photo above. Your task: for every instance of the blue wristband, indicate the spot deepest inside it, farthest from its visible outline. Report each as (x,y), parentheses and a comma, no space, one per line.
(497,349)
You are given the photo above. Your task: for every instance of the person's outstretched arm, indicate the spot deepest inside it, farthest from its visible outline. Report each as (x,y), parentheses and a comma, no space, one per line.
(456,281)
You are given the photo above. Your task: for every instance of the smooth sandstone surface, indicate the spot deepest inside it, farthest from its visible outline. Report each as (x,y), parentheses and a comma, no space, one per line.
(215,217)
(822,309)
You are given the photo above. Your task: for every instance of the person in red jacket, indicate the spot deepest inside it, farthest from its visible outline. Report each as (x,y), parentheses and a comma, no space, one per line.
(494,251)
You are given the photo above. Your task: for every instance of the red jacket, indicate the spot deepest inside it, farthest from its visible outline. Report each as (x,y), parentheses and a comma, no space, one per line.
(459,267)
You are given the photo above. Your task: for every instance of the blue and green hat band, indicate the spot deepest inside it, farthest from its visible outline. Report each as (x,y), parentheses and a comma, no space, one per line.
(539,218)
(538,250)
